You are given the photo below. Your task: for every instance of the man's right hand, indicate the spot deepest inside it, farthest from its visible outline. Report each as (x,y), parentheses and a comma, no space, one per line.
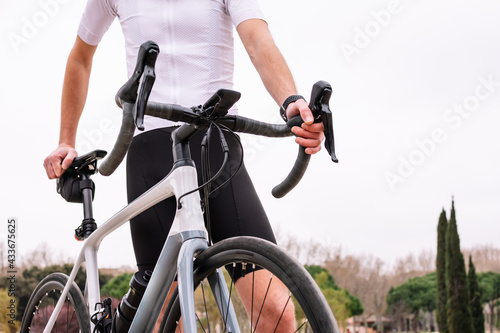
(74,94)
(59,160)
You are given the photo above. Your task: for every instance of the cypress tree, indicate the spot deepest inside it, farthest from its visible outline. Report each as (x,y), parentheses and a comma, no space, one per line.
(441,317)
(457,306)
(475,294)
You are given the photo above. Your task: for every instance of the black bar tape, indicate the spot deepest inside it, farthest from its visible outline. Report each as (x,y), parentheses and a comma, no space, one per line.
(251,126)
(122,144)
(295,175)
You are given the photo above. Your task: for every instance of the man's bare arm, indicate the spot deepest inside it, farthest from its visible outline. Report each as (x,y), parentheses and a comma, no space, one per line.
(278,80)
(74,95)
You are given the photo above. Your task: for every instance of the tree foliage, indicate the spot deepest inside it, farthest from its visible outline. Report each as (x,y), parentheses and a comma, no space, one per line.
(441,316)
(415,294)
(117,287)
(30,277)
(343,304)
(489,284)
(457,306)
(475,300)
(8,323)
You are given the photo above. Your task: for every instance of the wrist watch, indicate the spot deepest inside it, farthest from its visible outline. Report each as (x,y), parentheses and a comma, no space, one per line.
(287,102)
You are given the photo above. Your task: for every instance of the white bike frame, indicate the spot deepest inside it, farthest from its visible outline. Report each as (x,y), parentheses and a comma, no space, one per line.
(187,236)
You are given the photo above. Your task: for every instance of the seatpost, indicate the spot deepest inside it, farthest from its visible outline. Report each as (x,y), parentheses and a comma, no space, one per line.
(88,223)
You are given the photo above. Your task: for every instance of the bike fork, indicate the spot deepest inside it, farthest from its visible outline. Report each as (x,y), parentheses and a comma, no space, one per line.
(186,290)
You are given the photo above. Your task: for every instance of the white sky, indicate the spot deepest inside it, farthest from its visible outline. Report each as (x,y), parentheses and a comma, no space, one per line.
(397,90)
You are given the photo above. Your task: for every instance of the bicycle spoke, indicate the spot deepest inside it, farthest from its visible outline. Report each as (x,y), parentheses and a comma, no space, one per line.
(263,301)
(282,312)
(201,325)
(228,305)
(278,296)
(304,323)
(253,291)
(73,315)
(44,310)
(206,310)
(67,317)
(43,302)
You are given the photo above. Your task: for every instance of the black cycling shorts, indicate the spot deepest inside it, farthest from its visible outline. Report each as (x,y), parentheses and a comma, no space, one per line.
(235,210)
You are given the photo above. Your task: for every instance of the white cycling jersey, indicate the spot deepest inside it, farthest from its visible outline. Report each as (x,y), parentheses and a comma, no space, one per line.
(195,39)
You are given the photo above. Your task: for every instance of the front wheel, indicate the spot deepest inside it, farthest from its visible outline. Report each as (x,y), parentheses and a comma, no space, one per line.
(74,315)
(280,294)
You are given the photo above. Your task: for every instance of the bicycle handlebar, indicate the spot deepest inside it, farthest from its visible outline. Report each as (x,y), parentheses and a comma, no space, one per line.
(178,113)
(133,99)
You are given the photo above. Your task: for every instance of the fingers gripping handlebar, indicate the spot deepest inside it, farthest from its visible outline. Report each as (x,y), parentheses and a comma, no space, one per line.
(133,98)
(319,106)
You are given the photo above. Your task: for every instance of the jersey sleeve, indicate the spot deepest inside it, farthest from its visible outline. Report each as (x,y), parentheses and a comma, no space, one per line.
(242,10)
(96,19)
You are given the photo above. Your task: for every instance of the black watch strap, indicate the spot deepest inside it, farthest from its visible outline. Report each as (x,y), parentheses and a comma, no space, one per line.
(287,102)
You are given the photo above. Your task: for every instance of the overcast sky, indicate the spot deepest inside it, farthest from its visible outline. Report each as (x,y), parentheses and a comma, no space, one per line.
(416,106)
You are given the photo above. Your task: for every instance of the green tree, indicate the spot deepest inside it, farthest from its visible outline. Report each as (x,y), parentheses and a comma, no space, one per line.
(30,277)
(458,305)
(8,322)
(415,295)
(441,317)
(28,280)
(490,288)
(476,307)
(337,298)
(117,286)
(343,304)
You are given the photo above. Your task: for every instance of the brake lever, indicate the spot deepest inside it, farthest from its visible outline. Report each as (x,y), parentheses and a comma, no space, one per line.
(145,87)
(319,105)
(138,87)
(320,108)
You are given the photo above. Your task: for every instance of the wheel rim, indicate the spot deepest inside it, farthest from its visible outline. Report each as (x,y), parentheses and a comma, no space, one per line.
(66,321)
(210,319)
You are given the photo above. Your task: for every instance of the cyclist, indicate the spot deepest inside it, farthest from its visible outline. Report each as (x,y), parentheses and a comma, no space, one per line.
(196,59)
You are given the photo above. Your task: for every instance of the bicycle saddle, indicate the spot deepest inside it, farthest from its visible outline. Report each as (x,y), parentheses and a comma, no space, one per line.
(86,164)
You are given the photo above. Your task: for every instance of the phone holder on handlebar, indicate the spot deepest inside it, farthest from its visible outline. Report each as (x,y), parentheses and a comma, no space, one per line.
(219,104)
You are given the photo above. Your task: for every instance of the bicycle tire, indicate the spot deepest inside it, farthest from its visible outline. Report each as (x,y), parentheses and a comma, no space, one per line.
(312,312)
(74,316)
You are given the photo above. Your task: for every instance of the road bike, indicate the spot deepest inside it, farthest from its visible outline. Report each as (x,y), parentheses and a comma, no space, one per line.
(196,271)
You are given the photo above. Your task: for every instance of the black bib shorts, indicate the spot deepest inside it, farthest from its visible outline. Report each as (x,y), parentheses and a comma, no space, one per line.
(235,210)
